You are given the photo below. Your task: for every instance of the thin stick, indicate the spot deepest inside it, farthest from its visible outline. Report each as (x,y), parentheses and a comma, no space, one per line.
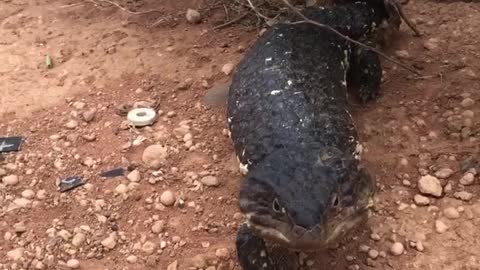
(307,20)
(230,22)
(406,19)
(258,12)
(127,10)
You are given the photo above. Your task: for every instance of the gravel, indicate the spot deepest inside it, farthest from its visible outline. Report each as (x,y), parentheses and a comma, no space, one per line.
(158,226)
(78,239)
(167,198)
(444,173)
(430,185)
(73,264)
(193,16)
(463,195)
(154,156)
(421,200)
(440,226)
(10,180)
(467,179)
(15,254)
(148,247)
(110,242)
(210,181)
(132,259)
(467,102)
(227,69)
(134,176)
(451,213)
(397,249)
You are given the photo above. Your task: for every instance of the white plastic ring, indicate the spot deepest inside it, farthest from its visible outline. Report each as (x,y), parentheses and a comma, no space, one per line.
(141,117)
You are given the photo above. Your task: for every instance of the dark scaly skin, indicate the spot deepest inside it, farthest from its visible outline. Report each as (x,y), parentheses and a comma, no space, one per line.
(289,121)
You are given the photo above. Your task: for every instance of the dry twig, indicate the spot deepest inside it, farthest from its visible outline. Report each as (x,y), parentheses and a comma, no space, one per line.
(125,9)
(230,22)
(406,19)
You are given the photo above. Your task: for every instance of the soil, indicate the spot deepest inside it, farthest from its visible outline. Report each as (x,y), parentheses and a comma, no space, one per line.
(105,56)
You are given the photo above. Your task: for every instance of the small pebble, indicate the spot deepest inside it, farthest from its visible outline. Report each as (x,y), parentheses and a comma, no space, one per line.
(467,179)
(227,68)
(109,242)
(463,195)
(222,253)
(397,249)
(193,16)
(89,115)
(134,176)
(372,253)
(15,254)
(73,264)
(444,173)
(158,226)
(451,213)
(78,239)
(132,259)
(467,102)
(148,247)
(430,185)
(167,198)
(154,156)
(10,180)
(210,181)
(121,189)
(421,200)
(72,124)
(28,194)
(440,226)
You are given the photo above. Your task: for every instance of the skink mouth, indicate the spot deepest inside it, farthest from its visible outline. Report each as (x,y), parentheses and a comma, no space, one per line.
(297,237)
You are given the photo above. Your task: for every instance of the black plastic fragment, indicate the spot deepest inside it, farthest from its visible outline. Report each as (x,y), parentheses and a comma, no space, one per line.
(113,173)
(70,183)
(10,144)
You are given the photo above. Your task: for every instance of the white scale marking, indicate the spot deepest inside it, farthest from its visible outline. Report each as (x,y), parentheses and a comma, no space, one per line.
(4,146)
(275,92)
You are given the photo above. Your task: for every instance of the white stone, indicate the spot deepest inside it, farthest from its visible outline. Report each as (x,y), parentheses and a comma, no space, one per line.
(158,226)
(227,69)
(121,189)
(78,239)
(28,194)
(109,242)
(132,259)
(10,180)
(73,264)
(451,213)
(430,185)
(22,202)
(421,200)
(154,156)
(440,226)
(397,249)
(193,16)
(210,181)
(444,173)
(167,198)
(148,247)
(134,176)
(16,254)
(467,179)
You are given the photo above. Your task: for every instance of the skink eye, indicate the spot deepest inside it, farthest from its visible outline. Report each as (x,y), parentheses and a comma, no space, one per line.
(276,206)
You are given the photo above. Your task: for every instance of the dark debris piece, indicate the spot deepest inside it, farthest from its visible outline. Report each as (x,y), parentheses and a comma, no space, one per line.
(113,173)
(10,144)
(70,183)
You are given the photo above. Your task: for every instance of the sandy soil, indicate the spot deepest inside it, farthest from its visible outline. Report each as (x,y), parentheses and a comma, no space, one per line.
(105,57)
